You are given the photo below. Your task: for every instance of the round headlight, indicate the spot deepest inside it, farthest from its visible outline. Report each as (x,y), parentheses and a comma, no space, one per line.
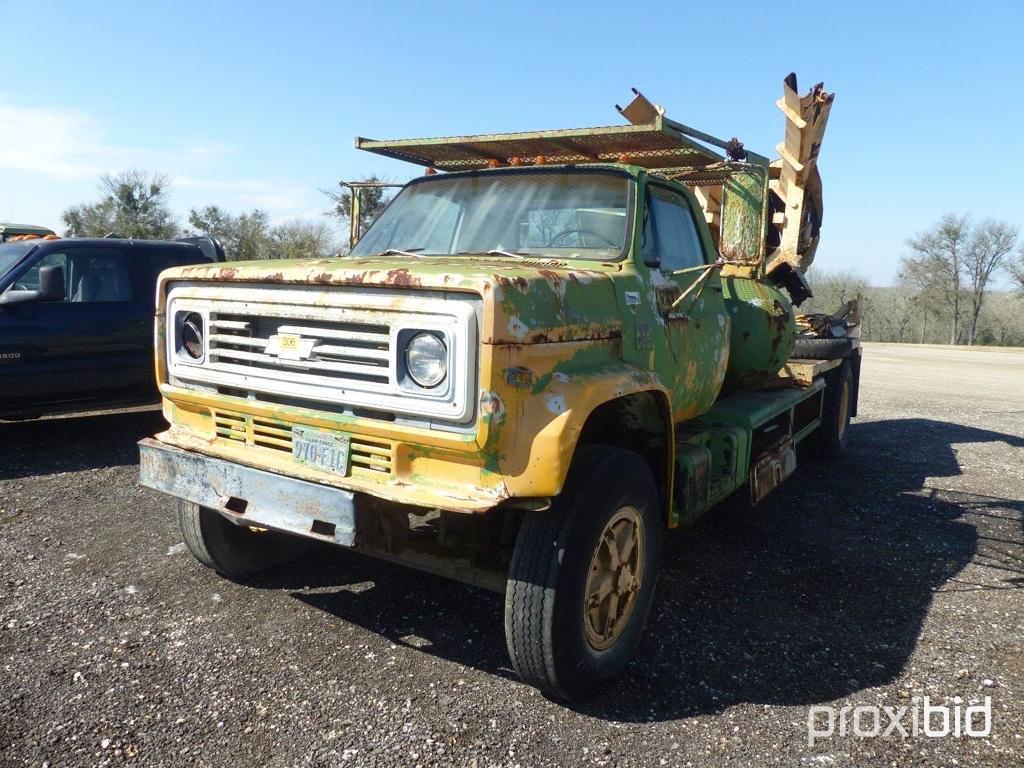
(426,359)
(191,341)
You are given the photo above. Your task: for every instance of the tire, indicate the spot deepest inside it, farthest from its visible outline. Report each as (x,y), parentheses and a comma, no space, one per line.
(235,551)
(554,638)
(829,439)
(818,348)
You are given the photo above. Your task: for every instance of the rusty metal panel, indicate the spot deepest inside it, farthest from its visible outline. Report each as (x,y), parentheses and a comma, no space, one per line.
(693,482)
(772,467)
(248,496)
(651,145)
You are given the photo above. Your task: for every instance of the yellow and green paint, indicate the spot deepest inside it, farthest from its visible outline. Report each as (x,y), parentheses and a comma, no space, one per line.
(559,341)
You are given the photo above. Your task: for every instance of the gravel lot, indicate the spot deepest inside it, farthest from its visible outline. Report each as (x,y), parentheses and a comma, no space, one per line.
(897,573)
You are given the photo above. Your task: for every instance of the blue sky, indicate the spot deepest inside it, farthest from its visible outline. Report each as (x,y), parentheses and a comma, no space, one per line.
(256,104)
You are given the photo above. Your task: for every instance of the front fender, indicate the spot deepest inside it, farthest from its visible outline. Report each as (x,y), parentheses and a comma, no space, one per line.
(545,396)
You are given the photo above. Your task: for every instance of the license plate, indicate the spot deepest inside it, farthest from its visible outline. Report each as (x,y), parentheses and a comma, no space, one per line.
(320,449)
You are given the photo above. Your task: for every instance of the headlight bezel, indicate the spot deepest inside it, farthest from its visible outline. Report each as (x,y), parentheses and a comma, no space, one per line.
(407,379)
(186,321)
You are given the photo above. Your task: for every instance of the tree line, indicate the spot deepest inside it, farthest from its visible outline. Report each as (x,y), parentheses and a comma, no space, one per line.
(944,293)
(135,204)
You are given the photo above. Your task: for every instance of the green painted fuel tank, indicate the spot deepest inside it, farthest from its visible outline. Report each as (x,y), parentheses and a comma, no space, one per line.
(762,334)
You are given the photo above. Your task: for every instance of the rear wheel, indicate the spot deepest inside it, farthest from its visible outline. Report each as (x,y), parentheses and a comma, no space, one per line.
(235,551)
(829,440)
(583,575)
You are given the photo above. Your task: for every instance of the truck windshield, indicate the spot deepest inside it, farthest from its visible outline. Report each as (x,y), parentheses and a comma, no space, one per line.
(12,253)
(561,214)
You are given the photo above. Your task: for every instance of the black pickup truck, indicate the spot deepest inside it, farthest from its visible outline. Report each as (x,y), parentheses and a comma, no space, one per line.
(76,320)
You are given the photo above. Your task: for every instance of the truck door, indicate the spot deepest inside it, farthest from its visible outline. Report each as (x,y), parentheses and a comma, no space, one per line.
(84,346)
(691,338)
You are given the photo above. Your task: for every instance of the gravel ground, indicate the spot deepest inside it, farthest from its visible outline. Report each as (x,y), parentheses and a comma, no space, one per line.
(895,574)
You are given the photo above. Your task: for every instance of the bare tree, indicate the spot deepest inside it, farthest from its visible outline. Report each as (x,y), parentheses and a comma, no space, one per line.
(939,263)
(304,239)
(1017,269)
(245,237)
(1004,318)
(991,243)
(832,289)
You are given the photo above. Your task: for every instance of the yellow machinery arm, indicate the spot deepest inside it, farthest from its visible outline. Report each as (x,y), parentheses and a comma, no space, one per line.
(797,211)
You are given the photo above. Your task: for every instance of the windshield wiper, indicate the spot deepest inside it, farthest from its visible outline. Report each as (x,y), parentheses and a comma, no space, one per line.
(496,252)
(400,252)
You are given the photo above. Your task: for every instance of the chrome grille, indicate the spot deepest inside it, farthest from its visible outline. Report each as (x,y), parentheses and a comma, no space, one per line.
(335,349)
(357,352)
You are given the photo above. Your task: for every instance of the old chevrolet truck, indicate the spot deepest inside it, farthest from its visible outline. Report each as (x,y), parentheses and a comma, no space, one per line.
(550,348)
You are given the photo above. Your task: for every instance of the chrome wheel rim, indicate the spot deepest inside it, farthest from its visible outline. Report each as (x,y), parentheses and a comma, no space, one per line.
(614,578)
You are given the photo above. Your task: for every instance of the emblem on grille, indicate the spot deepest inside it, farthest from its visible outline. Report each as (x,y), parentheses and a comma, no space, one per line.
(289,346)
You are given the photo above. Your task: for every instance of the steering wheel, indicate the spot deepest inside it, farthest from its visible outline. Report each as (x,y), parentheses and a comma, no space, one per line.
(550,243)
(20,287)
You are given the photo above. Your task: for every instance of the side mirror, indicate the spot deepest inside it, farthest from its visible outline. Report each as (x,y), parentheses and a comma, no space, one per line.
(51,288)
(51,283)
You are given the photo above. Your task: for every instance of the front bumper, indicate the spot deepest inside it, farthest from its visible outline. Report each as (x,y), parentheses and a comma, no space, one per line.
(249,496)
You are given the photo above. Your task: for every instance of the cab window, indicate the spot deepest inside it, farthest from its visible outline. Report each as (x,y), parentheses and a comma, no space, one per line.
(671,240)
(29,280)
(99,274)
(90,275)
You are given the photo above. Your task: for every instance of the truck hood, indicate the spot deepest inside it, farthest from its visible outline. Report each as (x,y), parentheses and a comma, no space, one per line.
(525,302)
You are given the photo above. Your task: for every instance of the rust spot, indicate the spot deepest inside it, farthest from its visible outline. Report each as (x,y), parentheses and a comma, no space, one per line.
(519,282)
(402,278)
(540,338)
(554,277)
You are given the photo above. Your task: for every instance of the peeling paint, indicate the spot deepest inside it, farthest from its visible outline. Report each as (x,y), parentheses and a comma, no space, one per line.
(556,404)
(556,340)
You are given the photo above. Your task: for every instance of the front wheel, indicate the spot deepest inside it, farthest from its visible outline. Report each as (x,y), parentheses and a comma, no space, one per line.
(583,575)
(235,551)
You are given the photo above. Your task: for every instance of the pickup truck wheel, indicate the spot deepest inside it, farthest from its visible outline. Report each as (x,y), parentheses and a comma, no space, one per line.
(583,574)
(235,551)
(829,440)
